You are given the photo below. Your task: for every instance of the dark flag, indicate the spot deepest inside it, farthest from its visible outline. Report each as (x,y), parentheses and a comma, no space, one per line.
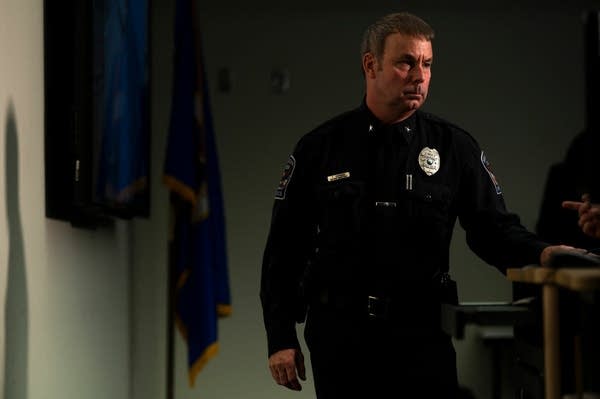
(197,243)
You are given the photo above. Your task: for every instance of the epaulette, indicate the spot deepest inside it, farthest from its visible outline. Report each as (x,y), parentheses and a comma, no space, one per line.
(441,121)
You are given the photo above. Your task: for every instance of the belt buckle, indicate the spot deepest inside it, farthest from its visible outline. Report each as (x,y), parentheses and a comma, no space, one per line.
(376,308)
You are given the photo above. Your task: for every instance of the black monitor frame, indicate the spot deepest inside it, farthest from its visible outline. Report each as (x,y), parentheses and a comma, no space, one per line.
(71,131)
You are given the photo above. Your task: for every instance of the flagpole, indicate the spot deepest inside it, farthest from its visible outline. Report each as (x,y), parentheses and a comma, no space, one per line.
(170,323)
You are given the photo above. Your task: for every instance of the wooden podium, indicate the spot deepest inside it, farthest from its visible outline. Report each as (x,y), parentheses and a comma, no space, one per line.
(574,279)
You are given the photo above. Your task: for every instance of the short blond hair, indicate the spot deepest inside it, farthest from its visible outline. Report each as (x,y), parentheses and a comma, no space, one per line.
(403,22)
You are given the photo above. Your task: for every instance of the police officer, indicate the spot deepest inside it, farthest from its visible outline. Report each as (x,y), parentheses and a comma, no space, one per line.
(361,229)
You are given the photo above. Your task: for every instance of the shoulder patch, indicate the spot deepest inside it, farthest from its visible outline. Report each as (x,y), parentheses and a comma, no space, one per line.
(286,177)
(488,168)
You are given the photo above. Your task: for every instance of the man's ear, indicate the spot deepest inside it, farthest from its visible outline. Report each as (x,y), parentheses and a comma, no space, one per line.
(369,65)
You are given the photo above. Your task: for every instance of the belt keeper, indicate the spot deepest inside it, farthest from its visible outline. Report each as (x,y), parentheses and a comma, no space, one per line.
(376,307)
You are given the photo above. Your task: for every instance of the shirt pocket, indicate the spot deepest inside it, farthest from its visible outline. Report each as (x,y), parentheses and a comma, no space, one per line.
(341,208)
(430,205)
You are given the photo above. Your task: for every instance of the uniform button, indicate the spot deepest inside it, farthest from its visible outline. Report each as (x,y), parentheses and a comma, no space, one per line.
(428,197)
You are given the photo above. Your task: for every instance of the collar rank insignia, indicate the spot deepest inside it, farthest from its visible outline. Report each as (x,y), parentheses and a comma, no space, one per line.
(429,160)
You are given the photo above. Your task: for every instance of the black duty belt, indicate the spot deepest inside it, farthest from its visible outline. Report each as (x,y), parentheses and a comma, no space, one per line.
(377,307)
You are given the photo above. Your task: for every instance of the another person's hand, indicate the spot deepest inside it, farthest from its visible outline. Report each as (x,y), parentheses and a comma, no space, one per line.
(589,215)
(284,364)
(548,254)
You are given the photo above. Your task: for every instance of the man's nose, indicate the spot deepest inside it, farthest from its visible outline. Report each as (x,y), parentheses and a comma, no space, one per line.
(418,73)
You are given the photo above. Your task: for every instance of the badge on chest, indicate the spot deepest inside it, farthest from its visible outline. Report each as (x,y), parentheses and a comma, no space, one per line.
(429,160)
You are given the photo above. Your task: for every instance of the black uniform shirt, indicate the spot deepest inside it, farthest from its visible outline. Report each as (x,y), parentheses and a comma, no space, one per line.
(372,207)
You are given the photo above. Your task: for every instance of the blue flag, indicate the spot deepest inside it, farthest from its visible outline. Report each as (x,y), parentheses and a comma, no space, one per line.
(197,247)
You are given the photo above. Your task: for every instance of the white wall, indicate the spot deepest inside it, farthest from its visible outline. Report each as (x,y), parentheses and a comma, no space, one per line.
(64,296)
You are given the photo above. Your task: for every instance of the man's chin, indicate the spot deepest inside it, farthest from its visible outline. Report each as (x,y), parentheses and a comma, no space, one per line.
(414,105)
(408,105)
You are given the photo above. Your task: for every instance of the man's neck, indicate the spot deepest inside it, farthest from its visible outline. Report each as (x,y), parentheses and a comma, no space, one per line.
(388,114)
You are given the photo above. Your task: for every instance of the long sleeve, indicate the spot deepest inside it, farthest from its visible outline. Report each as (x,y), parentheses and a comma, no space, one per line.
(289,246)
(493,233)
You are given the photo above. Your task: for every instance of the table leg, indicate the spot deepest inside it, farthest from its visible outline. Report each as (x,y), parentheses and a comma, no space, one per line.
(551,342)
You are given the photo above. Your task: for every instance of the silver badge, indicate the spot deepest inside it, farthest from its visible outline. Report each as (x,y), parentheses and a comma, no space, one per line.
(429,160)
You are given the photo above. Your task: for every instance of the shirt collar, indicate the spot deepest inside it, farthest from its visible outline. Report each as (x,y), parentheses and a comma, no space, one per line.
(407,127)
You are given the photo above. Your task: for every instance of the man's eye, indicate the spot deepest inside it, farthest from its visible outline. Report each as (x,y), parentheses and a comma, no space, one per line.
(427,64)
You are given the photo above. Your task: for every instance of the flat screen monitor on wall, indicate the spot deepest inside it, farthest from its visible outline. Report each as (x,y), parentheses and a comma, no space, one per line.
(96,110)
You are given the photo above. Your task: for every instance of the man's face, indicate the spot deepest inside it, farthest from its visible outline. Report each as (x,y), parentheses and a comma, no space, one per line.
(400,79)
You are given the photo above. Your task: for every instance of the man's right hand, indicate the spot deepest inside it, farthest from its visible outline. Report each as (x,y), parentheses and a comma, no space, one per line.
(589,215)
(284,364)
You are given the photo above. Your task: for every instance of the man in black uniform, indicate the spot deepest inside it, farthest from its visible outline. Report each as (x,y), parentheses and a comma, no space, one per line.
(361,230)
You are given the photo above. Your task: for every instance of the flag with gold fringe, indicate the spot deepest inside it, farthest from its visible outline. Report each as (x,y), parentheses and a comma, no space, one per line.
(197,240)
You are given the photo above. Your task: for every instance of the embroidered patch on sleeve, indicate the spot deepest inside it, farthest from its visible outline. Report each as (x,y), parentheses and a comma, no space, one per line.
(286,177)
(488,169)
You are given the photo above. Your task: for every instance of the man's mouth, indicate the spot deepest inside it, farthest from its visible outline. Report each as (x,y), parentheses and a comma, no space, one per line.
(413,93)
